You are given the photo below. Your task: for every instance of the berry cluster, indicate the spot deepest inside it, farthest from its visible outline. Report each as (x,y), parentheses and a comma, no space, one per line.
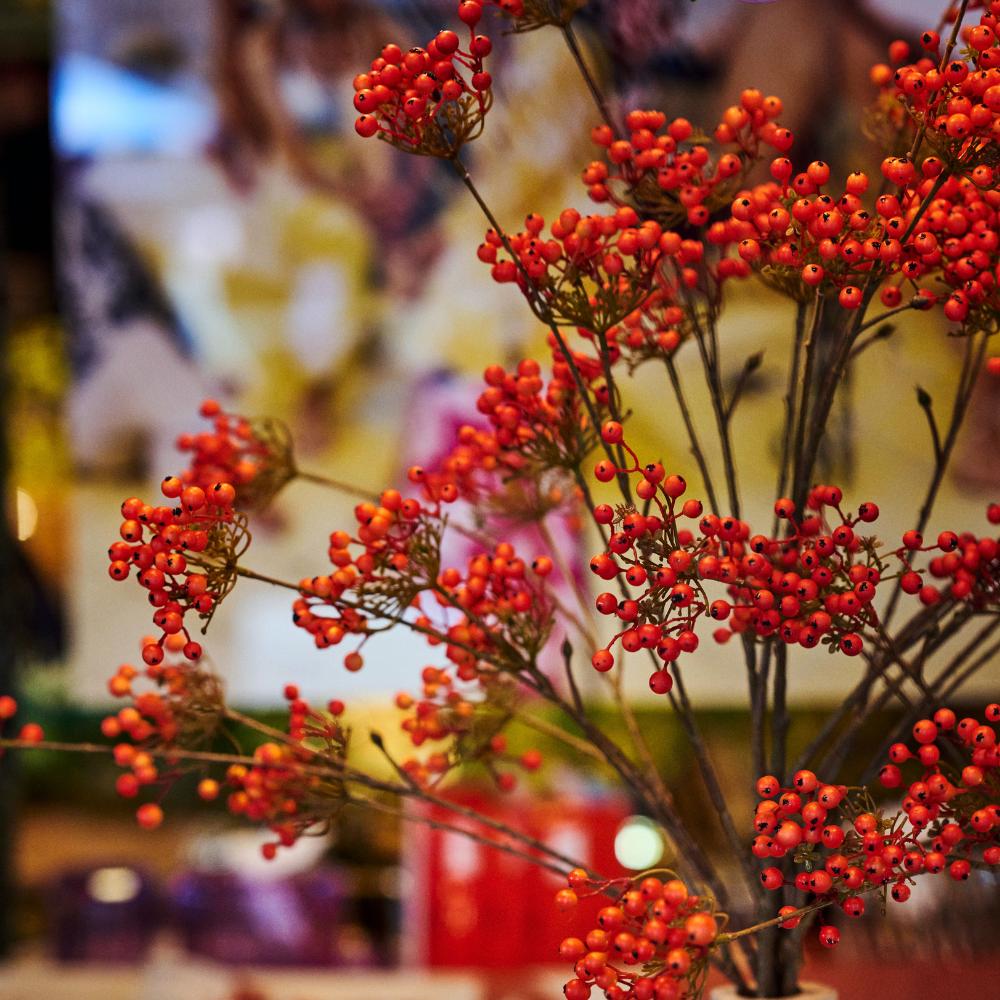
(277,789)
(940,222)
(815,585)
(189,561)
(614,256)
(676,185)
(651,924)
(471,726)
(534,429)
(255,456)
(502,609)
(420,101)
(181,716)
(940,818)
(182,711)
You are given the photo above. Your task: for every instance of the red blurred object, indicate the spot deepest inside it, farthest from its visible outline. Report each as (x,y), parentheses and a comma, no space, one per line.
(476,906)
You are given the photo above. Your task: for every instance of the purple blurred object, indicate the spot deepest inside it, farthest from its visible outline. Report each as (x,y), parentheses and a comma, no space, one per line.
(108,914)
(247,921)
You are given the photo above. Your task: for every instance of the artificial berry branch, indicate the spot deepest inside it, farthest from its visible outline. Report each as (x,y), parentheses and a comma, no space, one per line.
(637,280)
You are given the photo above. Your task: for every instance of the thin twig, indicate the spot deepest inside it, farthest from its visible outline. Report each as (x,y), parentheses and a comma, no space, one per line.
(749,367)
(336,484)
(436,824)
(711,780)
(790,406)
(699,455)
(567,654)
(884,332)
(592,86)
(927,405)
(550,729)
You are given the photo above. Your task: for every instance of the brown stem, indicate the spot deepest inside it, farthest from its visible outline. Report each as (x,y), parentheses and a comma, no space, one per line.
(550,729)
(758,706)
(950,47)
(699,455)
(708,350)
(251,575)
(336,484)
(972,362)
(711,780)
(790,407)
(595,91)
(652,774)
(780,719)
(436,824)
(800,476)
(590,632)
(688,847)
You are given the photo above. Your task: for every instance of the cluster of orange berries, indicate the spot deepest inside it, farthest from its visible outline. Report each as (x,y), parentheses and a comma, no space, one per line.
(969,562)
(942,818)
(595,246)
(230,453)
(276,790)
(385,532)
(494,589)
(150,714)
(654,325)
(444,713)
(792,224)
(688,172)
(152,722)
(403,94)
(176,534)
(816,585)
(957,102)
(650,924)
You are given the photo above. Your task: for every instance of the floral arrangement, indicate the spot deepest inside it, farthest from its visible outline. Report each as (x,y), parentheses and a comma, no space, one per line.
(637,281)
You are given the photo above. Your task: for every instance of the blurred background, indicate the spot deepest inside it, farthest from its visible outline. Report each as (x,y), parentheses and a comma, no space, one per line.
(186,211)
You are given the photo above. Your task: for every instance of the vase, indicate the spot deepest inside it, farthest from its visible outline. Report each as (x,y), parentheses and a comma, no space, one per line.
(807,991)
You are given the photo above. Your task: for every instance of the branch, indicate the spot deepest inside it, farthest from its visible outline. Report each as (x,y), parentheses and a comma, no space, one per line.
(800,474)
(336,484)
(780,719)
(567,654)
(550,729)
(711,780)
(595,91)
(750,366)
(927,405)
(708,350)
(885,331)
(436,824)
(972,362)
(790,407)
(699,455)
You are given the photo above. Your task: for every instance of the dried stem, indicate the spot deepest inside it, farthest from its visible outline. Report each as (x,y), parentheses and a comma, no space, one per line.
(699,455)
(712,784)
(336,484)
(436,824)
(790,404)
(972,362)
(550,729)
(592,86)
